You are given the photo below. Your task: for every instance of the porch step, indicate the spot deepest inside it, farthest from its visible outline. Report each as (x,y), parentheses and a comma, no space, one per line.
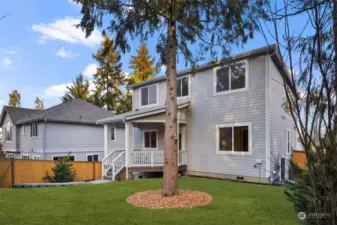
(107,177)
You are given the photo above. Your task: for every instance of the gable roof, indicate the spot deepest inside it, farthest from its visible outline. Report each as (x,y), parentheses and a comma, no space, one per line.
(270,49)
(15,113)
(77,111)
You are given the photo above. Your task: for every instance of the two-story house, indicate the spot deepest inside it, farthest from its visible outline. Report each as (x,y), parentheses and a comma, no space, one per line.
(231,122)
(54,132)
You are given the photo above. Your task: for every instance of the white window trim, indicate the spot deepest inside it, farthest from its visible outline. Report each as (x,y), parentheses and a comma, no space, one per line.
(189,87)
(215,93)
(36,156)
(290,141)
(8,125)
(37,130)
(115,133)
(60,155)
(92,154)
(150,130)
(140,96)
(217,133)
(29,158)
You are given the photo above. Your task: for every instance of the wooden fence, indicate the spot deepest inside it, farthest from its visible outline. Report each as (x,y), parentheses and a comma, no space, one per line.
(300,159)
(16,171)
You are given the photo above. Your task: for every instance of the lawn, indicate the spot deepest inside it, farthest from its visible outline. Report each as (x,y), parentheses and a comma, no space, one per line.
(234,203)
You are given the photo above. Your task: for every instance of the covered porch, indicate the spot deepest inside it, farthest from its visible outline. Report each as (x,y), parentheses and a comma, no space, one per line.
(134,142)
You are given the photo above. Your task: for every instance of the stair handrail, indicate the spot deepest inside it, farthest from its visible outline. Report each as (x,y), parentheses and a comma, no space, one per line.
(115,170)
(107,161)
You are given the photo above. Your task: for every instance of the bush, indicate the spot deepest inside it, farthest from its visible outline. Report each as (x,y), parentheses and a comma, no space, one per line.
(63,171)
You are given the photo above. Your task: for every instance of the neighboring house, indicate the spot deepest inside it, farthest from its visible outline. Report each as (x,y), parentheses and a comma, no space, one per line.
(54,132)
(231,122)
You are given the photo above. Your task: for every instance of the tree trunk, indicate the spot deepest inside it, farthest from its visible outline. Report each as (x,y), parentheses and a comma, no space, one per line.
(334,12)
(170,185)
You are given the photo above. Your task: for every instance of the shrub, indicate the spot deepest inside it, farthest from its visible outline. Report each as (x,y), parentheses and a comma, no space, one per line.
(63,171)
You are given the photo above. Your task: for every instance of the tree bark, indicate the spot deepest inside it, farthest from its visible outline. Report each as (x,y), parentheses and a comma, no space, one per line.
(170,180)
(334,201)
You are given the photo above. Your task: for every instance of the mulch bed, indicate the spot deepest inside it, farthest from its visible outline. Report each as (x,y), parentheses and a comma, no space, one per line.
(154,200)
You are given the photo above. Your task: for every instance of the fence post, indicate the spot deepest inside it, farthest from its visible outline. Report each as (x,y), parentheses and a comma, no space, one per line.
(94,170)
(12,172)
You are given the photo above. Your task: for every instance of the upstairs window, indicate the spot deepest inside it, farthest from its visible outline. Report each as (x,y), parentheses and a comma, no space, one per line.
(150,139)
(9,132)
(24,129)
(148,95)
(182,87)
(33,130)
(230,78)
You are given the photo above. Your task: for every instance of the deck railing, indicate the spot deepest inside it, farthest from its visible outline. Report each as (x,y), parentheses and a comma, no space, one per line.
(153,158)
(118,164)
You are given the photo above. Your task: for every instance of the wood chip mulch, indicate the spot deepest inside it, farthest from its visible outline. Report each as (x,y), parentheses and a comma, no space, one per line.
(154,200)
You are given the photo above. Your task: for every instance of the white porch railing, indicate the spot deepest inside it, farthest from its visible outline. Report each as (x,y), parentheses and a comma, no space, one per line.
(118,164)
(107,162)
(153,158)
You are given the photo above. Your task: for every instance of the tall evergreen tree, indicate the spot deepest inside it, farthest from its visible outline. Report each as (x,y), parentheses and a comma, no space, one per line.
(14,99)
(213,24)
(39,104)
(142,65)
(79,89)
(109,76)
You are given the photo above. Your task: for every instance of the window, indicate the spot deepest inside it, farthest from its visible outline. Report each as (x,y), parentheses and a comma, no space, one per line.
(182,87)
(36,157)
(288,142)
(72,157)
(92,157)
(8,132)
(10,155)
(33,130)
(234,138)
(24,129)
(149,95)
(113,133)
(25,156)
(232,77)
(150,139)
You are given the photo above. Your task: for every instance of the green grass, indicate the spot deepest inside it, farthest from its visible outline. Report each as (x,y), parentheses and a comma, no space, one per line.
(233,203)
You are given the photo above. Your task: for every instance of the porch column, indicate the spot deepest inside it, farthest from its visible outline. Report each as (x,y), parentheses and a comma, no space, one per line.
(128,145)
(105,140)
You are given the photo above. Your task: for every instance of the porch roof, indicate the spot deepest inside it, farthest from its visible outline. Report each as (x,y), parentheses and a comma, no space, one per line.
(140,113)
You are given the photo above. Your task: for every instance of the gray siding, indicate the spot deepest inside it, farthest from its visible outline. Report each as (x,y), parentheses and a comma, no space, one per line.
(79,156)
(119,143)
(79,139)
(28,144)
(161,93)
(9,145)
(139,135)
(279,119)
(206,111)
